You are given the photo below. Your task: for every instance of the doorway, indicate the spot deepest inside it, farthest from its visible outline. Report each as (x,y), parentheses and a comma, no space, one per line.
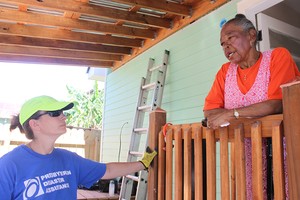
(279,22)
(276,33)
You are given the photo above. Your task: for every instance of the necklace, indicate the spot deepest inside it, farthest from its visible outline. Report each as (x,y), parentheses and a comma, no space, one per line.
(249,69)
(245,75)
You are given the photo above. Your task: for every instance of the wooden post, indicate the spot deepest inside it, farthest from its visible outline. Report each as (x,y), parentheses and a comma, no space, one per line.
(157,119)
(291,120)
(239,150)
(92,144)
(225,187)
(211,164)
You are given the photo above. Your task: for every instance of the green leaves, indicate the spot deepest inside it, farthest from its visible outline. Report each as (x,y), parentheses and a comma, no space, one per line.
(88,106)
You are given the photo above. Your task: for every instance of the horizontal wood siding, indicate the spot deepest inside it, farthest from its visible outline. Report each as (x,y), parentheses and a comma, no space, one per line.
(195,58)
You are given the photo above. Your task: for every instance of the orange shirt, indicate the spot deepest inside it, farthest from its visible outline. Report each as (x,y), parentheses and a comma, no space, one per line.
(282,70)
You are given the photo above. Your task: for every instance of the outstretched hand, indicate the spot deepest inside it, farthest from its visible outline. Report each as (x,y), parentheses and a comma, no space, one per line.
(148,157)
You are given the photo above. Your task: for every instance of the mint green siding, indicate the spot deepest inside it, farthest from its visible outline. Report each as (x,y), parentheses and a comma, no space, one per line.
(195,57)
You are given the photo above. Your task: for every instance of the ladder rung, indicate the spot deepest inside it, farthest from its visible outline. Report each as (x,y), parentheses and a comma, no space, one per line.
(149,86)
(136,153)
(138,130)
(135,178)
(155,67)
(146,107)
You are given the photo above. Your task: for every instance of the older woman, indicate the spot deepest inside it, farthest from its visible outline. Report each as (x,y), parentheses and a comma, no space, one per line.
(37,170)
(248,85)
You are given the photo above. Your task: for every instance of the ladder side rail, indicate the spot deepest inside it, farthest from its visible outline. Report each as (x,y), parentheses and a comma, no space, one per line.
(142,188)
(149,72)
(137,123)
(156,102)
(159,87)
(126,189)
(127,184)
(142,107)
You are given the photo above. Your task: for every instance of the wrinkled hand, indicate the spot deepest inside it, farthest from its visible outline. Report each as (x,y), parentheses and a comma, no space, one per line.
(218,117)
(148,157)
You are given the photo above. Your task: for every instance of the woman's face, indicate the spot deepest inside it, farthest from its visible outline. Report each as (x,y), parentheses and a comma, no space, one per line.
(52,126)
(236,43)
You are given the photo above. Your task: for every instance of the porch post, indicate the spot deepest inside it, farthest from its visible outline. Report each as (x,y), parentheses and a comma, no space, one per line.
(291,121)
(157,119)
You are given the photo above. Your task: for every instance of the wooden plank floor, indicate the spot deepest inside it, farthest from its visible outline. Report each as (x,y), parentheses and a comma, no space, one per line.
(94,195)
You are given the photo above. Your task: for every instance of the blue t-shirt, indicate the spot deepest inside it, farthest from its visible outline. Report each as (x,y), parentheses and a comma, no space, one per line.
(25,174)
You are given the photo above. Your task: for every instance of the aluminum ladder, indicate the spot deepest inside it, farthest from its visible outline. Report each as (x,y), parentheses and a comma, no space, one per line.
(145,104)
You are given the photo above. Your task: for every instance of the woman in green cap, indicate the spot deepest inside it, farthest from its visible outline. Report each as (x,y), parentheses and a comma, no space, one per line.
(37,170)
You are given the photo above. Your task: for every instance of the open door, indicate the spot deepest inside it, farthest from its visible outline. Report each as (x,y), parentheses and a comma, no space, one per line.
(276,33)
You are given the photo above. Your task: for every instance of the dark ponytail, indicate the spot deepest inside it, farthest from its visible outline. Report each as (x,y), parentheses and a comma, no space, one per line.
(15,123)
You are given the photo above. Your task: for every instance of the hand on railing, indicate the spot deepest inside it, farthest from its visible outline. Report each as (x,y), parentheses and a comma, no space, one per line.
(205,124)
(148,157)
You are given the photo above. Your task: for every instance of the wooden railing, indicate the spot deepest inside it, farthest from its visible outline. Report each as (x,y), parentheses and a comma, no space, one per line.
(187,169)
(182,160)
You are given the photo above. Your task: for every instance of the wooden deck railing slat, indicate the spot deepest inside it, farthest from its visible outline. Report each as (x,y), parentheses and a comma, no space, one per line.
(257,171)
(198,159)
(278,169)
(224,161)
(187,134)
(178,163)
(232,172)
(211,164)
(291,115)
(169,164)
(240,162)
(161,172)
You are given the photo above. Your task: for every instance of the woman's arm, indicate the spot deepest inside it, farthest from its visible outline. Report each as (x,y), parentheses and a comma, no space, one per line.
(117,169)
(219,116)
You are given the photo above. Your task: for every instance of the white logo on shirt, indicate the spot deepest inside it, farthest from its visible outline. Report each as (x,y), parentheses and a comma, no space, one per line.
(33,188)
(46,183)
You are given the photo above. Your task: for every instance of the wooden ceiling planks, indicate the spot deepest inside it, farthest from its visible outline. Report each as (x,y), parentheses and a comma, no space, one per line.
(98,33)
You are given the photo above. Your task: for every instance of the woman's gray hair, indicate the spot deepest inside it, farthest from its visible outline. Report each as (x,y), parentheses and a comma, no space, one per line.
(242,21)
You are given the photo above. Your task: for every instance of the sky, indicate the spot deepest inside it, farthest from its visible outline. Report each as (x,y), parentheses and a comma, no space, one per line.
(19,82)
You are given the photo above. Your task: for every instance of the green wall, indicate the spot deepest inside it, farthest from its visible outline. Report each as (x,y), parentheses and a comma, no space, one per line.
(195,57)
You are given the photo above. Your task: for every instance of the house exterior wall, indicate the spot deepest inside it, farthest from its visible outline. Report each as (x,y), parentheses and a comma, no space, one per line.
(195,57)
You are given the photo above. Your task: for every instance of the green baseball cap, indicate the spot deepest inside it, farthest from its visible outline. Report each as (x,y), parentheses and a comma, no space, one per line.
(42,103)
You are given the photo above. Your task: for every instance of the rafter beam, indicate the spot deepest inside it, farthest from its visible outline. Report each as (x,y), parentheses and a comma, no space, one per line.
(57,53)
(65,45)
(60,21)
(50,33)
(54,61)
(163,6)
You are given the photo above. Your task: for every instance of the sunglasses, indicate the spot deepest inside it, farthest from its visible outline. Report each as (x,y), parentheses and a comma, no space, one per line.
(55,113)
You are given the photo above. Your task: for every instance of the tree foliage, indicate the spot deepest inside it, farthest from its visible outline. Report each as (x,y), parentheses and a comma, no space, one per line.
(88,106)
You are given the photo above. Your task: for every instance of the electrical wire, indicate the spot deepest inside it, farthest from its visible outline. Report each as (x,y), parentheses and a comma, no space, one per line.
(120,144)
